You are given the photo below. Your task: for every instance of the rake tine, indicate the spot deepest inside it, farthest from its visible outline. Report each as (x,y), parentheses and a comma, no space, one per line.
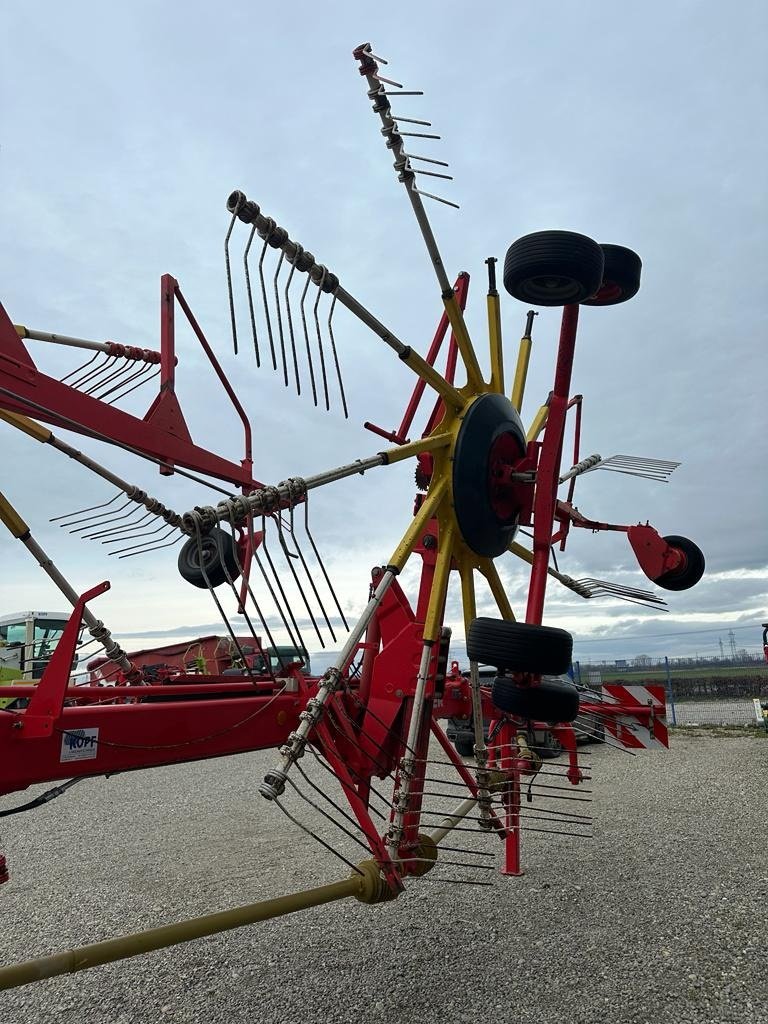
(229,277)
(154,372)
(81,367)
(295,260)
(429,195)
(79,512)
(131,553)
(99,376)
(143,371)
(105,533)
(103,520)
(411,120)
(320,340)
(280,586)
(119,529)
(280,317)
(143,533)
(270,588)
(426,159)
(264,298)
(300,556)
(289,557)
(306,340)
(336,358)
(122,370)
(250,295)
(323,570)
(94,372)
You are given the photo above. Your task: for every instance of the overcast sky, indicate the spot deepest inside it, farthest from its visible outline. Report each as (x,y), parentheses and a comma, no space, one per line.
(125,127)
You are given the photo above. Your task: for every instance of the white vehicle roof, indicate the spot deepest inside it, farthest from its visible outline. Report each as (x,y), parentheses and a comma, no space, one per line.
(6,620)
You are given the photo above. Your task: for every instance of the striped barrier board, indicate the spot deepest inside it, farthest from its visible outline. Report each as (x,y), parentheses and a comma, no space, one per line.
(637,731)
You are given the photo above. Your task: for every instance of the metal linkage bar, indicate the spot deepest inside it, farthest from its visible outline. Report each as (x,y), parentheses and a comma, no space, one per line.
(587,587)
(631,465)
(131,491)
(112,348)
(293,491)
(407,173)
(304,261)
(19,529)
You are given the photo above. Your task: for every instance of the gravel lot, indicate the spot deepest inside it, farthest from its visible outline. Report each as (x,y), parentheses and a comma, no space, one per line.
(662,917)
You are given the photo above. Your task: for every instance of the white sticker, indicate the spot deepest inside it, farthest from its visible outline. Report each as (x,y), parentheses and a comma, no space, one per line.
(79,744)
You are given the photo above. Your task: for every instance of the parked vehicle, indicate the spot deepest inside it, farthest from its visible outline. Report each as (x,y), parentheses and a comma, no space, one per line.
(461,731)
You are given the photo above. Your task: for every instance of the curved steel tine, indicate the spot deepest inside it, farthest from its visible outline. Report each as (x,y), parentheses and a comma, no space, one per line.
(300,555)
(123,370)
(229,276)
(144,369)
(336,358)
(306,339)
(251,594)
(107,360)
(103,520)
(280,587)
(278,606)
(91,508)
(250,295)
(144,380)
(112,519)
(295,575)
(93,378)
(122,529)
(320,563)
(131,552)
(299,251)
(266,304)
(280,317)
(81,367)
(142,533)
(316,593)
(127,526)
(320,340)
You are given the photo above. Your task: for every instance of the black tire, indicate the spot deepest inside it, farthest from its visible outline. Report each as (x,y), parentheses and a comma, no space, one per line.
(553,268)
(621,276)
(219,560)
(520,647)
(549,749)
(689,574)
(464,747)
(491,425)
(553,700)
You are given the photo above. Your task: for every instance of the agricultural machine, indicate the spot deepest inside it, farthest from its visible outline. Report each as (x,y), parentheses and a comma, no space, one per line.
(363,743)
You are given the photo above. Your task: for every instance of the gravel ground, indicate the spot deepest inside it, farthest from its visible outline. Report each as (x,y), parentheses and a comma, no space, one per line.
(660,918)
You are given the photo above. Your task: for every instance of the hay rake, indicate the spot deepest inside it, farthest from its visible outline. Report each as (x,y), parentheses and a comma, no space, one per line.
(362,745)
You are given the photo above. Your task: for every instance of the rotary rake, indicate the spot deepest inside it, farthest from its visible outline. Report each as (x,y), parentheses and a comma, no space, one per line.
(362,746)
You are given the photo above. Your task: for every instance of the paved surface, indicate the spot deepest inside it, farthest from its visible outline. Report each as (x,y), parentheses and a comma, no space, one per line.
(660,918)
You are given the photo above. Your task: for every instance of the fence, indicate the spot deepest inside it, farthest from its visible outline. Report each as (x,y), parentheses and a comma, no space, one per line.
(706,698)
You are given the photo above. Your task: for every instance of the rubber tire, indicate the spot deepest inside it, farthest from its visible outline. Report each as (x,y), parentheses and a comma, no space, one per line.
(553,268)
(464,748)
(520,647)
(219,556)
(621,276)
(551,749)
(488,419)
(692,571)
(553,700)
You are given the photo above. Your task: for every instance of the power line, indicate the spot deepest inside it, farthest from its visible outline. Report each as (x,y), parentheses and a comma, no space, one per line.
(654,636)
